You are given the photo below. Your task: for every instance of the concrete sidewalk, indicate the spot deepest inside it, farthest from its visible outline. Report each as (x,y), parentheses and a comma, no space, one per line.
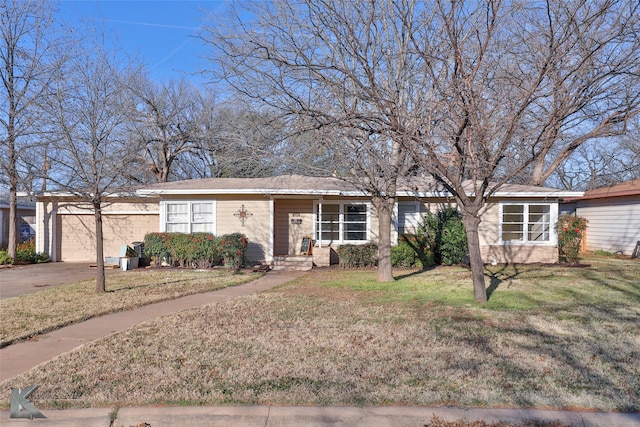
(295,416)
(20,357)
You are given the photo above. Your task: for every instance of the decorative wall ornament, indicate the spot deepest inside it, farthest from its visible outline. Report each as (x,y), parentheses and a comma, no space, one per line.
(243,214)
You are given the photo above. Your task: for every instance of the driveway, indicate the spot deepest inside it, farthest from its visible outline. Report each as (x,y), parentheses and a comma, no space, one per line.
(24,279)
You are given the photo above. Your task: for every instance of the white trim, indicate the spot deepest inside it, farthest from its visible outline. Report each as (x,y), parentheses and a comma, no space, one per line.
(90,212)
(317,209)
(351,193)
(395,223)
(190,202)
(272,216)
(515,194)
(418,211)
(553,194)
(67,194)
(266,191)
(553,219)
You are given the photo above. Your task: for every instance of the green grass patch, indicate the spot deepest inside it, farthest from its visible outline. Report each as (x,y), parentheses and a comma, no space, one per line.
(512,288)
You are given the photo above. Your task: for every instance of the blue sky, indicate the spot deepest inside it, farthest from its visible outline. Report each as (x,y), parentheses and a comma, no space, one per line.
(159,32)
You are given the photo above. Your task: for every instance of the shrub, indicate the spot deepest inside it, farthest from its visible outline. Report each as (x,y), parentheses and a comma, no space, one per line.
(5,258)
(445,234)
(183,250)
(26,253)
(352,256)
(233,248)
(570,231)
(155,248)
(453,242)
(412,250)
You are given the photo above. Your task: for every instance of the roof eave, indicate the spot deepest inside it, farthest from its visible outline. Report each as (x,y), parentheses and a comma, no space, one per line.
(267,191)
(350,193)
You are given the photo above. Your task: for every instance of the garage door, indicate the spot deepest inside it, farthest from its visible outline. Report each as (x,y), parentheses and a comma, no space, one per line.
(76,234)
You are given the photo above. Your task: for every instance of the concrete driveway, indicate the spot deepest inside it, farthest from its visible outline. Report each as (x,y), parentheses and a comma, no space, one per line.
(24,279)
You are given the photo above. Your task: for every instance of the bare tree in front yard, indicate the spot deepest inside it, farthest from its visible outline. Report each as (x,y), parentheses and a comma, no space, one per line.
(512,83)
(91,152)
(335,72)
(31,52)
(477,92)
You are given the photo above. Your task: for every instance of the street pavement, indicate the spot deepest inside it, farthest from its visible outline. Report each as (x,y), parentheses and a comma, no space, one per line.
(20,357)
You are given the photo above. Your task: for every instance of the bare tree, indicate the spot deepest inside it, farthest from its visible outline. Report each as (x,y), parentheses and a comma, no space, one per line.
(599,163)
(239,142)
(512,83)
(477,93)
(30,55)
(335,70)
(168,122)
(91,150)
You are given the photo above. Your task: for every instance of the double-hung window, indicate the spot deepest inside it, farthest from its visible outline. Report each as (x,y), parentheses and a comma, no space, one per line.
(527,222)
(342,222)
(188,216)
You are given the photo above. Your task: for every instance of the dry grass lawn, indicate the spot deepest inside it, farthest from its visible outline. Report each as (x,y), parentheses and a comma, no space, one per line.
(550,337)
(37,313)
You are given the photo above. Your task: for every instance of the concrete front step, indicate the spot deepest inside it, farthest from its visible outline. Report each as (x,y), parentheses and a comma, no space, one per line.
(293,263)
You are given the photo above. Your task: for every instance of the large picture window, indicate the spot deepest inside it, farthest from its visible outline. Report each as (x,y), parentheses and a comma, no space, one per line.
(188,217)
(342,222)
(527,222)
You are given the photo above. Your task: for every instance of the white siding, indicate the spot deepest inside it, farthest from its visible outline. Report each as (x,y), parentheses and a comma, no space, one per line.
(613,224)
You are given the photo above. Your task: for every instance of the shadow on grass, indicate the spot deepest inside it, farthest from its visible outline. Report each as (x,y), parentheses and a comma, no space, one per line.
(498,277)
(414,273)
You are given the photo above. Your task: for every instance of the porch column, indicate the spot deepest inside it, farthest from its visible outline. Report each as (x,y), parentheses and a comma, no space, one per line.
(319,222)
(272,229)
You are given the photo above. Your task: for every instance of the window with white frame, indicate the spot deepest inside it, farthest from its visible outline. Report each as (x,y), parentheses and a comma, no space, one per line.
(409,216)
(188,216)
(527,222)
(342,222)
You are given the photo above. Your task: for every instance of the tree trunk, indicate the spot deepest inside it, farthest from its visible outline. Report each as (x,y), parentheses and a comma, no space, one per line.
(100,276)
(471,223)
(13,175)
(384,208)
(13,222)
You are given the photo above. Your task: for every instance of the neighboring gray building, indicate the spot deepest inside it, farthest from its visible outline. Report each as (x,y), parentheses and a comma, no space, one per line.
(26,218)
(613,215)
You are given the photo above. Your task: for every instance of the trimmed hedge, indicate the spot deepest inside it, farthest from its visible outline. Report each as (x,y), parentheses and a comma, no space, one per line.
(232,248)
(201,250)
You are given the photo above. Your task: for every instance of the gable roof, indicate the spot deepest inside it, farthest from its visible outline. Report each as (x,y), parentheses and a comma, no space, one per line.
(327,186)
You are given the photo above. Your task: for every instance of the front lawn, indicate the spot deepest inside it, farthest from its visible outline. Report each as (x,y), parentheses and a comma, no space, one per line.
(549,337)
(37,313)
